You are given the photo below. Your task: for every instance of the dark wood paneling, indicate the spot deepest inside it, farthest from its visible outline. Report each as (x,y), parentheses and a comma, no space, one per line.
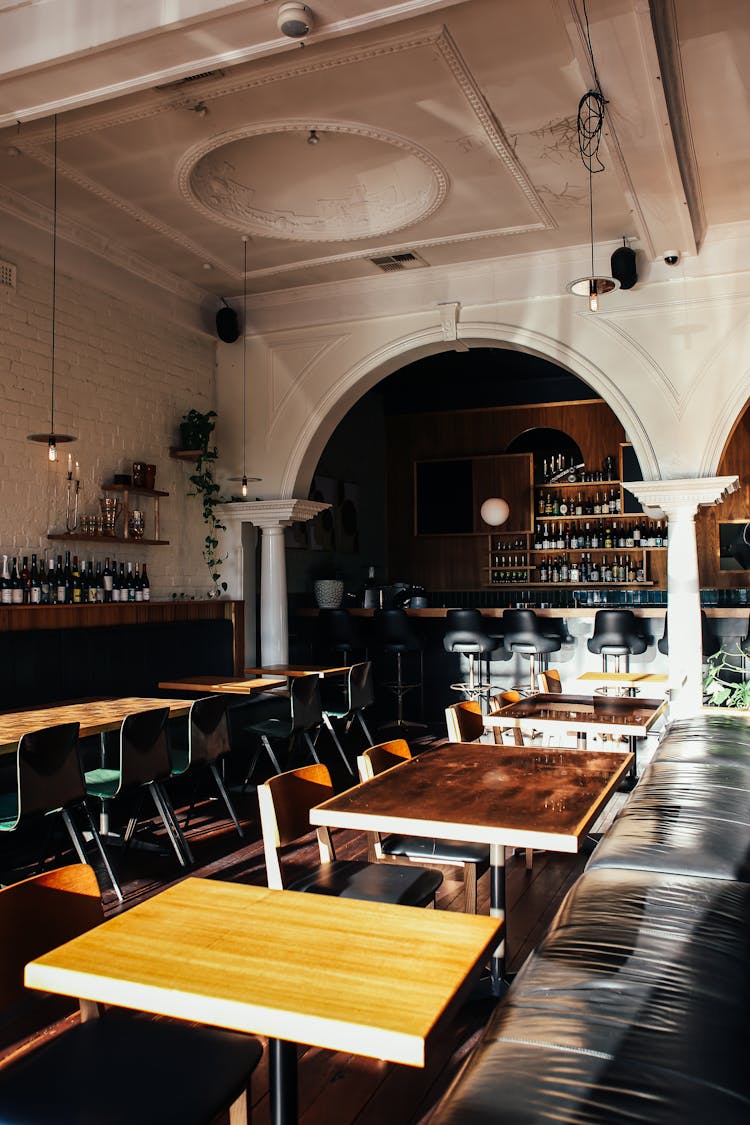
(512,477)
(734,460)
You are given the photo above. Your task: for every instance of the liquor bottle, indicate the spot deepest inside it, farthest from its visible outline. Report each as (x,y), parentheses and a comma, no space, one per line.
(560,541)
(25,581)
(47,577)
(608,542)
(540,504)
(595,544)
(35,584)
(16,589)
(665,535)
(99,582)
(5,583)
(59,582)
(564,571)
(543,572)
(637,535)
(563,506)
(597,505)
(90,583)
(575,572)
(107,581)
(129,584)
(116,590)
(545,539)
(548,504)
(579,505)
(76,585)
(68,595)
(593,571)
(145,584)
(137,586)
(555,576)
(556,505)
(587,537)
(573,542)
(657,536)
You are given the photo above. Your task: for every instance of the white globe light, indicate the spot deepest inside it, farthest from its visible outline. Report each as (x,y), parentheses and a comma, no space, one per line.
(494,511)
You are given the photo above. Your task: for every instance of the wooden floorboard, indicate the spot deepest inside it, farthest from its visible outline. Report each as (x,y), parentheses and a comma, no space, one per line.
(337,1087)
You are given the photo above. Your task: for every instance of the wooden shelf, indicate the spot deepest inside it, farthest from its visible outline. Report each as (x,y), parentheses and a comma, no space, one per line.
(132,488)
(572,585)
(185,454)
(589,550)
(606,516)
(72,535)
(578,484)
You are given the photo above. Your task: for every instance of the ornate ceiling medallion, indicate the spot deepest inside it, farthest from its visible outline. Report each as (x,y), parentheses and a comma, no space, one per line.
(356,183)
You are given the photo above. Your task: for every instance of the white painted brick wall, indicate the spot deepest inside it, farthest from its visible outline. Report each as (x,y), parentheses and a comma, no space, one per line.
(123,380)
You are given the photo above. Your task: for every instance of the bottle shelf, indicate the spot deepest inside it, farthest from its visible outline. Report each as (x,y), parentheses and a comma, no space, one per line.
(606,516)
(185,454)
(573,585)
(131,488)
(578,484)
(591,550)
(70,536)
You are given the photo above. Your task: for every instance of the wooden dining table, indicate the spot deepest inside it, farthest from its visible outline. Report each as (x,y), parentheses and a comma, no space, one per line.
(292,670)
(520,797)
(613,716)
(338,973)
(95,716)
(229,685)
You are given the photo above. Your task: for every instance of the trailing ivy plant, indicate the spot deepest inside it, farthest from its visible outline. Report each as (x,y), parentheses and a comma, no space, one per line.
(722,682)
(200,427)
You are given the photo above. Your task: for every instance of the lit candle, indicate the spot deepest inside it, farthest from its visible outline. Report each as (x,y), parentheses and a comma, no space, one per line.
(70,464)
(78,472)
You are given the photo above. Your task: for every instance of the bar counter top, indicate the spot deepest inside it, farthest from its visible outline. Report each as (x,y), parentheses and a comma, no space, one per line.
(736,611)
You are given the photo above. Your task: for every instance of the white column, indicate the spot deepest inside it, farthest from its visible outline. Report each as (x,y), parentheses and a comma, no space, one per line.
(271,516)
(679,501)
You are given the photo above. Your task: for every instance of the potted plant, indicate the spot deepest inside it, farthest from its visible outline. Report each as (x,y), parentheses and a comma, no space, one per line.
(195,431)
(723,685)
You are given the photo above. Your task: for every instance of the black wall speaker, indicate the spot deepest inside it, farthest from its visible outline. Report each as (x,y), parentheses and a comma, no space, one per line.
(227,326)
(622,265)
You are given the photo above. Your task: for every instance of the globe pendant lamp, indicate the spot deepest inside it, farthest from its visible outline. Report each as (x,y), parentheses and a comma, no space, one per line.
(495,511)
(52,439)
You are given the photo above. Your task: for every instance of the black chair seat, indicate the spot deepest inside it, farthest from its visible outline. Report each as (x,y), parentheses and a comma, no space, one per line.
(617,632)
(122,1069)
(375,882)
(449,851)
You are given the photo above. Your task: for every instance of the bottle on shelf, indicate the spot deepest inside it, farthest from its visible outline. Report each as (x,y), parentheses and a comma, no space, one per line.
(107,581)
(48,584)
(99,583)
(579,505)
(76,584)
(145,584)
(16,589)
(35,584)
(60,581)
(137,585)
(5,598)
(90,583)
(130,584)
(116,590)
(25,580)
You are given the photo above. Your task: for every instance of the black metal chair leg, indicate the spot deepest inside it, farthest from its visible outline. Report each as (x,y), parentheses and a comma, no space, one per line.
(332,731)
(271,755)
(176,838)
(363,724)
(311,747)
(225,797)
(75,836)
(102,854)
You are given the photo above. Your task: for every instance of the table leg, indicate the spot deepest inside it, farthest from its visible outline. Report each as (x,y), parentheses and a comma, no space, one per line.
(497,910)
(631,777)
(282,1065)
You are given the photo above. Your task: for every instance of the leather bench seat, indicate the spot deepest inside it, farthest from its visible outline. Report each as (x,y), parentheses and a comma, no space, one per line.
(685,818)
(633,1009)
(705,736)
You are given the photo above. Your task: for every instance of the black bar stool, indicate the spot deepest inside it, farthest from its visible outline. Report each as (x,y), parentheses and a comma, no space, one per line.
(523,633)
(710,643)
(339,632)
(466,633)
(396,637)
(617,633)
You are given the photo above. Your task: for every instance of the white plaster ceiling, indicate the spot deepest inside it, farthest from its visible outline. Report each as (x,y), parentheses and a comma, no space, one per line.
(446,129)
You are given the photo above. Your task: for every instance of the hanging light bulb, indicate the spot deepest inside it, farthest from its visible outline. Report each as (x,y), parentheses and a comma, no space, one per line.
(590,122)
(244,478)
(51,439)
(244,486)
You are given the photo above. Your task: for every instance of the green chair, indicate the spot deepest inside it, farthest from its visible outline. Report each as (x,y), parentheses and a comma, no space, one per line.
(49,781)
(208,742)
(144,764)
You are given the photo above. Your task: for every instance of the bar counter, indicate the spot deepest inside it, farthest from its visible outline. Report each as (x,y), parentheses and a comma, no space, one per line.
(735,611)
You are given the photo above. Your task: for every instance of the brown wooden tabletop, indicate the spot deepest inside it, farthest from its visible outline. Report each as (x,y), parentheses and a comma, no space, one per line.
(337,973)
(504,797)
(237,685)
(94,717)
(629,716)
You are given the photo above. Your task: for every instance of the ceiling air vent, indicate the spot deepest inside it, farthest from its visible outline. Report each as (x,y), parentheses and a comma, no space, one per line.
(407,260)
(7,274)
(191,78)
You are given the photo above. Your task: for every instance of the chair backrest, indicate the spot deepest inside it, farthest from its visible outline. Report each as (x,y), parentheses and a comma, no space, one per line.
(521,626)
(304,702)
(208,729)
(39,914)
(361,686)
(394,629)
(340,629)
(497,702)
(464,721)
(285,802)
(144,748)
(48,770)
(550,682)
(382,757)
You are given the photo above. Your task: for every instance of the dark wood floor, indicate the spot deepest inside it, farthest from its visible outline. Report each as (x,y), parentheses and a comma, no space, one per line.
(336,1087)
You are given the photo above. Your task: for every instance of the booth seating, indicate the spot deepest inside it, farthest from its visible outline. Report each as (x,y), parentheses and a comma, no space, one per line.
(524,633)
(617,633)
(634,1006)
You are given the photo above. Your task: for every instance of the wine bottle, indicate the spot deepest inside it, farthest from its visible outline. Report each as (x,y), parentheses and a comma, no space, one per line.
(35,585)
(90,583)
(25,580)
(16,590)
(76,585)
(137,585)
(107,581)
(5,583)
(116,589)
(59,582)
(47,574)
(99,582)
(129,584)
(68,598)
(146,585)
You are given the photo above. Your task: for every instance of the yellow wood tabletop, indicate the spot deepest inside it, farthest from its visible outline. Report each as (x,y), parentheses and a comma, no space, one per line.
(336,973)
(238,685)
(633,678)
(95,716)
(292,670)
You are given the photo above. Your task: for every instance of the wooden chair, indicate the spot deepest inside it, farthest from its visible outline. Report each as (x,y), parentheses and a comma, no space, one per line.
(474,859)
(285,802)
(550,682)
(464,721)
(207,742)
(48,782)
(168,1070)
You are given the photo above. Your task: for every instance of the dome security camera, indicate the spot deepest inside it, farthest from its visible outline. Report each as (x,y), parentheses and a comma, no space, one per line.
(294,20)
(671,257)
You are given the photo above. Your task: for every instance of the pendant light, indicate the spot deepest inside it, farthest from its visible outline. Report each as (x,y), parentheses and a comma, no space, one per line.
(52,439)
(590,123)
(244,478)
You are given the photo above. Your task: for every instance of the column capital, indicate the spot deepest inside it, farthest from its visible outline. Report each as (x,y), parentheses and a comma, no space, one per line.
(271,513)
(686,494)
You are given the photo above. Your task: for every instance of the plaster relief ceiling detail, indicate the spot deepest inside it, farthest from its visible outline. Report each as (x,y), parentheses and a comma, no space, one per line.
(359,184)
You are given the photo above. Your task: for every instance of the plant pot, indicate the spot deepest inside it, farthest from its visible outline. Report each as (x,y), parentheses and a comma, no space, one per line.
(329,593)
(189,439)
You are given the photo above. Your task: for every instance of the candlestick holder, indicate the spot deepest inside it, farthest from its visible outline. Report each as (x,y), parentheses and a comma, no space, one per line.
(71,501)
